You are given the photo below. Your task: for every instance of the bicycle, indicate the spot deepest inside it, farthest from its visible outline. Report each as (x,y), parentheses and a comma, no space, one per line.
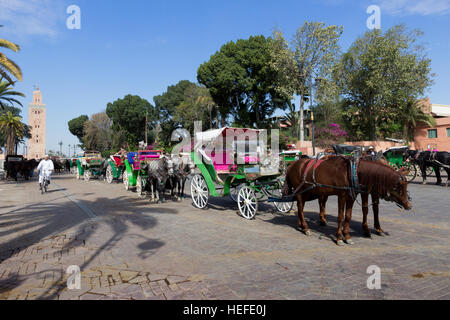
(45,182)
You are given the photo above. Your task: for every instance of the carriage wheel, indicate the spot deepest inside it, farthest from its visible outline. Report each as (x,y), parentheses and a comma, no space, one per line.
(199,191)
(412,172)
(283,207)
(247,202)
(126,182)
(235,191)
(140,187)
(87,175)
(429,171)
(109,174)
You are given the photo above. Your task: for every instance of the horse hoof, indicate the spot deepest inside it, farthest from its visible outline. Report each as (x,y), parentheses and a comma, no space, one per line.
(424,183)
(340,243)
(349,241)
(381,233)
(323,223)
(368,235)
(308,233)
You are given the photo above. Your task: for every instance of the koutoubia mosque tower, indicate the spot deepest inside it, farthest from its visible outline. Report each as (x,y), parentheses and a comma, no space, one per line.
(37,114)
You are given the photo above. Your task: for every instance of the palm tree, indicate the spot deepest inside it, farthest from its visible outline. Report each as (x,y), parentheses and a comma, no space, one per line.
(412,116)
(7,95)
(13,128)
(205,99)
(8,67)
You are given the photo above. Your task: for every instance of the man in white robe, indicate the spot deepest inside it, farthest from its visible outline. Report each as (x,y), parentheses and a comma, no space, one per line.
(45,169)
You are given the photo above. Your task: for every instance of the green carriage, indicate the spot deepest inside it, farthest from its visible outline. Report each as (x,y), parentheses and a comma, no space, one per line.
(135,174)
(115,167)
(287,158)
(234,161)
(90,165)
(399,159)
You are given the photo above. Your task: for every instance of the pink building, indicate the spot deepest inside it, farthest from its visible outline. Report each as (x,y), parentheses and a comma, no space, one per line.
(438,137)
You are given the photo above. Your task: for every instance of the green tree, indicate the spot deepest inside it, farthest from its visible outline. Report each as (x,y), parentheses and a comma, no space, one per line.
(13,129)
(166,105)
(311,55)
(242,82)
(411,116)
(128,117)
(76,126)
(8,95)
(379,76)
(98,133)
(9,68)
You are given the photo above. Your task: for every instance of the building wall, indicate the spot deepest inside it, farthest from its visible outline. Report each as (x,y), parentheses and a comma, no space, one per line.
(37,115)
(441,143)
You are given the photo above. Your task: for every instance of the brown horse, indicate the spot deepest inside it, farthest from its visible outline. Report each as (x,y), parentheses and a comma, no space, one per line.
(378,181)
(309,179)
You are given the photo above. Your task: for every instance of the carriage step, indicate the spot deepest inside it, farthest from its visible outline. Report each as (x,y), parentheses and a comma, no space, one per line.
(284,199)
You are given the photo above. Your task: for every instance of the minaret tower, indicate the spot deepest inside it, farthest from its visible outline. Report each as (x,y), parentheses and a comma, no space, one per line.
(37,114)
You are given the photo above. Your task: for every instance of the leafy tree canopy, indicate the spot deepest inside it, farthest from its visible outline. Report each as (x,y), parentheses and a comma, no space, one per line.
(128,117)
(76,126)
(242,81)
(381,75)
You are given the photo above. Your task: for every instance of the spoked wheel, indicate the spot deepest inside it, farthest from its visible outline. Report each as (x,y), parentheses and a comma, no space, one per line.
(140,187)
(199,191)
(247,202)
(283,207)
(429,171)
(235,191)
(87,175)
(109,174)
(126,182)
(412,174)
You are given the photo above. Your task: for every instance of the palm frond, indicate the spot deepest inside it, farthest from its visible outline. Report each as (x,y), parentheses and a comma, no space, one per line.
(11,67)
(9,45)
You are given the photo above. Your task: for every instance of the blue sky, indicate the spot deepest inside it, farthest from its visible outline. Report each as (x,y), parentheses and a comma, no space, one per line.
(142,46)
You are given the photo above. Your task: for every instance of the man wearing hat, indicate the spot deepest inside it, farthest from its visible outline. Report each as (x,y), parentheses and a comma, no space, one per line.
(371,151)
(45,169)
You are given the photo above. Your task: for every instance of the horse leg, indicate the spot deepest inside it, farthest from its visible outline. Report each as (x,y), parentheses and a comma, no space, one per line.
(341,207)
(322,215)
(348,218)
(365,210)
(448,176)
(376,218)
(301,222)
(423,168)
(437,170)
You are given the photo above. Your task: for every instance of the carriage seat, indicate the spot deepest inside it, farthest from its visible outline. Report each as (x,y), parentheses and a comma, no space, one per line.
(130,157)
(117,160)
(223,162)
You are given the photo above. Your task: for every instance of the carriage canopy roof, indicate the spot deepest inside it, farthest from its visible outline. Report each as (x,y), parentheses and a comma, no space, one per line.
(345,149)
(397,150)
(210,137)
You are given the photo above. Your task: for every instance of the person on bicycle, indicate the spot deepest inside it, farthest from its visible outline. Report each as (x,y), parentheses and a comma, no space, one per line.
(45,169)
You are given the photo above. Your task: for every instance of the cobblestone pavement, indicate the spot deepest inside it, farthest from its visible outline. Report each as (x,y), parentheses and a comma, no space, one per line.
(129,248)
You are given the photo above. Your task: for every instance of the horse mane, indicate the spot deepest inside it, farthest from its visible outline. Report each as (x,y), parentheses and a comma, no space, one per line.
(378,177)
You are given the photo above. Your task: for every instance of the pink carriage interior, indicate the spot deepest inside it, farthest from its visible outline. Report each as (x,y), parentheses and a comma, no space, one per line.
(224,163)
(142,156)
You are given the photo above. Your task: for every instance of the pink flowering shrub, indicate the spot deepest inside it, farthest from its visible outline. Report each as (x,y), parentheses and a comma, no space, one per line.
(328,136)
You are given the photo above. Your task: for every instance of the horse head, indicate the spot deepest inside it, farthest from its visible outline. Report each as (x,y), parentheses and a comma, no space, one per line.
(398,193)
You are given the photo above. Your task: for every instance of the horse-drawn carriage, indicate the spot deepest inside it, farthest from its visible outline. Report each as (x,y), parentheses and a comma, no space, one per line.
(398,158)
(115,167)
(233,159)
(135,173)
(90,165)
